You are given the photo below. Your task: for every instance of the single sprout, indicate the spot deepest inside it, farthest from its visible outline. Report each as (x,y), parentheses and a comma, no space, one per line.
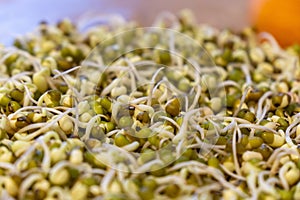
(125,122)
(173,107)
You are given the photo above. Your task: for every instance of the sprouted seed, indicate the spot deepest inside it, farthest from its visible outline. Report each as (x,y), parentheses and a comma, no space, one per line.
(107,136)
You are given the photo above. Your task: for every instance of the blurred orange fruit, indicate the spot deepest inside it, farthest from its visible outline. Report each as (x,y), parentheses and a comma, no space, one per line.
(281,18)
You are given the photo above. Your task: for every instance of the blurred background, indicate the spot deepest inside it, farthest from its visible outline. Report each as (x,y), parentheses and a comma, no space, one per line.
(280,18)
(18,17)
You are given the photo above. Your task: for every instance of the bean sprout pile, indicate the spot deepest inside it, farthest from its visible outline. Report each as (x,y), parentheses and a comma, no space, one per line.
(83,116)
